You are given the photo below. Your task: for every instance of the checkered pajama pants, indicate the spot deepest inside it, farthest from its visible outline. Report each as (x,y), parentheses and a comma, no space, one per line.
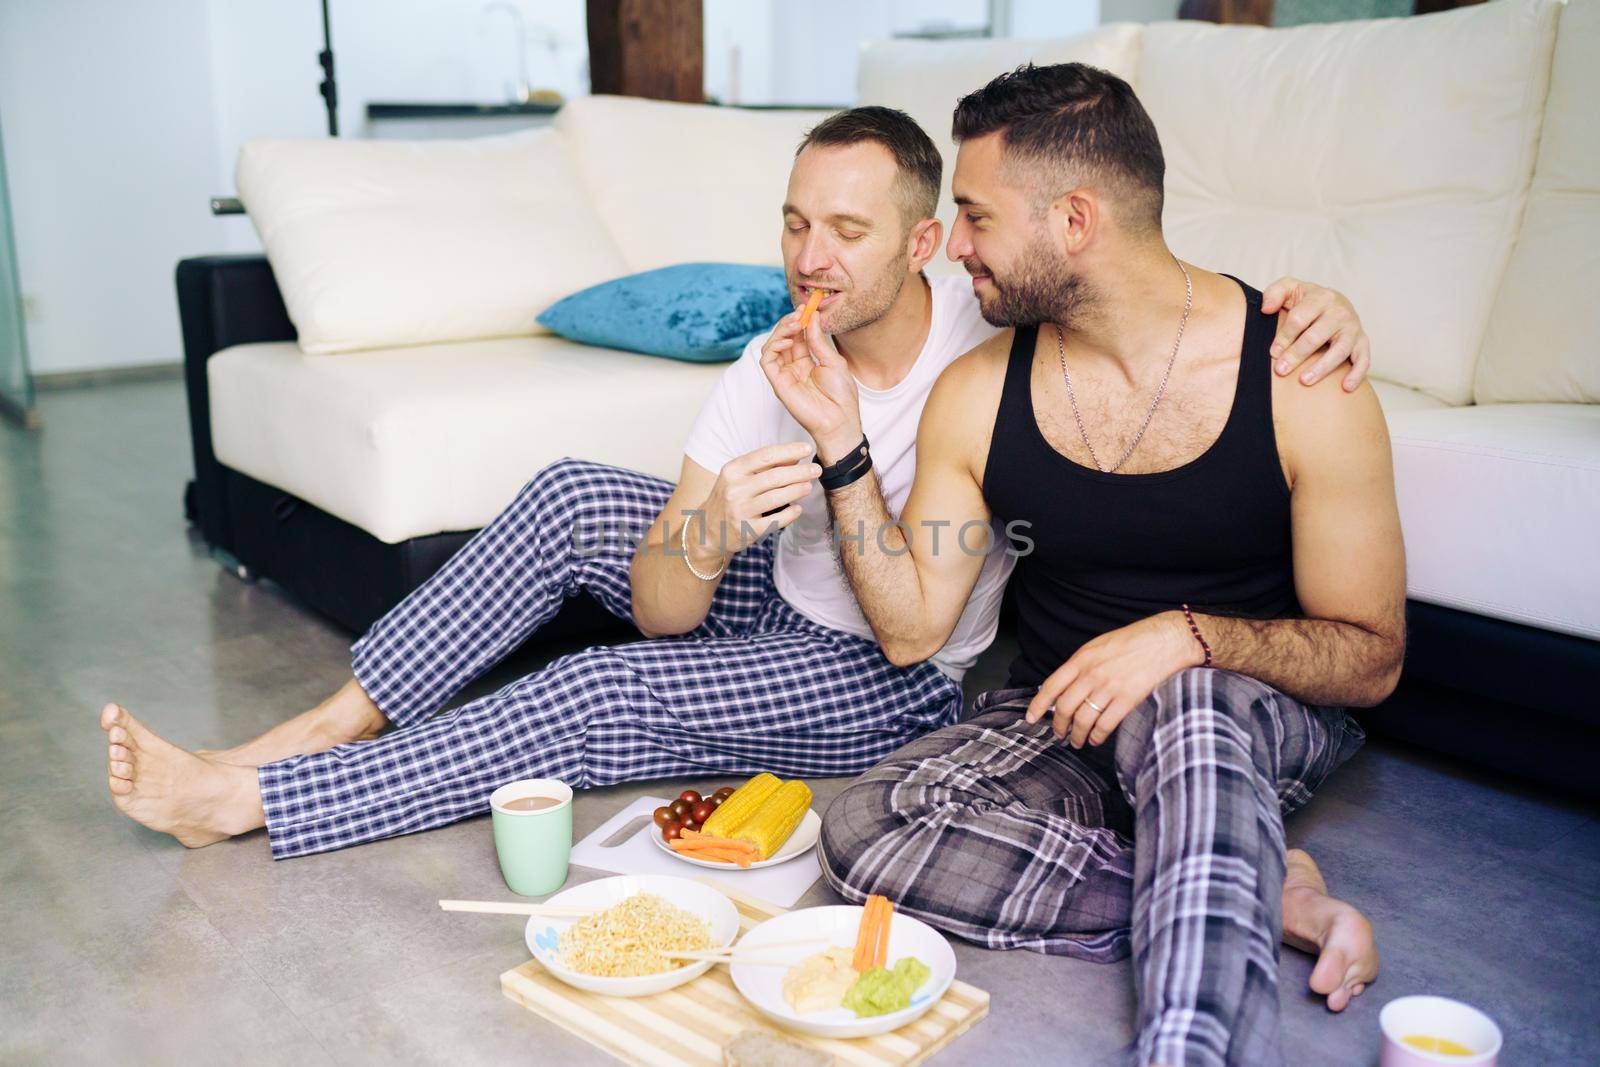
(757,686)
(1168,842)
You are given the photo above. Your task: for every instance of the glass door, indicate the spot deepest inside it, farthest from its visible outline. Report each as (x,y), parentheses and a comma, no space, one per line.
(16,383)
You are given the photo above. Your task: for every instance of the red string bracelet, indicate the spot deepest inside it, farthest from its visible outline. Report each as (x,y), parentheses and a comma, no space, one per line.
(1198,636)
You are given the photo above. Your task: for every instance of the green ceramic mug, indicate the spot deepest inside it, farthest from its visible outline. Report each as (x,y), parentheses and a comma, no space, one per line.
(533,834)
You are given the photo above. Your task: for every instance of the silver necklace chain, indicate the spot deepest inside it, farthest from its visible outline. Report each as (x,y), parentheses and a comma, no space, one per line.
(1061,350)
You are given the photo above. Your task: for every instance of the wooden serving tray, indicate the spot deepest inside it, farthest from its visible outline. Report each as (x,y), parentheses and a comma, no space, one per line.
(687,1026)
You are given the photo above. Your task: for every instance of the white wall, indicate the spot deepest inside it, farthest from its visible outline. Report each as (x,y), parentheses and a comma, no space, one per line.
(109,144)
(766,52)
(262,65)
(1041,19)
(123,117)
(1138,10)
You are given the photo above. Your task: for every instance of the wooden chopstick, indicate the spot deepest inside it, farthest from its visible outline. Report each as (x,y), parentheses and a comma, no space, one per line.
(732,953)
(499,907)
(729,957)
(801,943)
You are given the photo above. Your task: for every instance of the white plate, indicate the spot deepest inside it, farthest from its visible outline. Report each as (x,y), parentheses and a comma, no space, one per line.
(805,835)
(762,986)
(702,900)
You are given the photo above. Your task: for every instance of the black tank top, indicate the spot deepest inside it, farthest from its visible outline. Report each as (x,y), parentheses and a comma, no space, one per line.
(1110,549)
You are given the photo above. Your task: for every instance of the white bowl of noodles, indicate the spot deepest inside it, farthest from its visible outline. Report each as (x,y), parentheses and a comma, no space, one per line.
(618,950)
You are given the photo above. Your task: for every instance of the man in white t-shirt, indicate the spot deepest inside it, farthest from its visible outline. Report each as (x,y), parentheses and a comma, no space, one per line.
(758,657)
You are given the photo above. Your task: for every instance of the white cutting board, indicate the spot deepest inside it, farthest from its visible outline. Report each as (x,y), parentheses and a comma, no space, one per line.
(637,854)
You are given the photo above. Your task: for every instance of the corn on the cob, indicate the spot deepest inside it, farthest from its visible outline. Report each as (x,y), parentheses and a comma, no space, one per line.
(776,819)
(740,805)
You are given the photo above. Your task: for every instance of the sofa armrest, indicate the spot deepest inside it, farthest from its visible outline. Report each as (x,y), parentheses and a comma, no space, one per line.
(222,301)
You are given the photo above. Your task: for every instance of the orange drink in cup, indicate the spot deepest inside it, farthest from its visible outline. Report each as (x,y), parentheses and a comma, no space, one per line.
(1427,1031)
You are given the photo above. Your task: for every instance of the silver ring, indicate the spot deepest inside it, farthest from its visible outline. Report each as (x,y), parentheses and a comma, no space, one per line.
(1093,705)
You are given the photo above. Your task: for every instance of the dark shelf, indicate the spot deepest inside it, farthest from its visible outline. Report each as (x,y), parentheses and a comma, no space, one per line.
(454,111)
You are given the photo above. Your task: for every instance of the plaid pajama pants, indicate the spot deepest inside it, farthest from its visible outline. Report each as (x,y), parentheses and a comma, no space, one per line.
(1167,843)
(757,686)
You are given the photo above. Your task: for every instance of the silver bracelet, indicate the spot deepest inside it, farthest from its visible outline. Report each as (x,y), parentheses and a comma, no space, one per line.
(683,539)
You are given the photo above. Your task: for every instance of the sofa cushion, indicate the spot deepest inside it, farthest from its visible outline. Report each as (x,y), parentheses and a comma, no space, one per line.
(1544,336)
(1388,158)
(379,243)
(406,442)
(1500,505)
(1397,398)
(926,78)
(701,312)
(679,183)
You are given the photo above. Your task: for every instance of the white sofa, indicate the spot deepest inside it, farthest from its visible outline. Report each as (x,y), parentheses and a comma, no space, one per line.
(1444,171)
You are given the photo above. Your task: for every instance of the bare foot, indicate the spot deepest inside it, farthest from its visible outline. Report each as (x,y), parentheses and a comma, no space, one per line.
(160,785)
(349,715)
(1328,928)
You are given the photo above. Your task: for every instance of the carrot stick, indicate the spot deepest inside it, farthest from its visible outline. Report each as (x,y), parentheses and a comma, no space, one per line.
(690,839)
(880,957)
(715,842)
(859,957)
(811,308)
(867,933)
(720,855)
(702,846)
(700,835)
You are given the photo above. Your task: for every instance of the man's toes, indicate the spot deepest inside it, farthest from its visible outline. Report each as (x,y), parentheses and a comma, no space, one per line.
(120,786)
(110,715)
(119,736)
(122,769)
(120,752)
(1327,977)
(1340,998)
(138,734)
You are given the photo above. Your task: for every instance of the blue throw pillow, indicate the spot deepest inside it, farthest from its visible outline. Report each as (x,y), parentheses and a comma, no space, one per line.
(702,312)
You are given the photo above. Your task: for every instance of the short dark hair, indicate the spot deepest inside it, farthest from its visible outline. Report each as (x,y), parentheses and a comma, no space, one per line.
(1072,121)
(917,160)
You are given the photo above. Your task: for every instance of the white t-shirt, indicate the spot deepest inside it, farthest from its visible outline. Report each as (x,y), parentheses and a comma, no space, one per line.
(743,414)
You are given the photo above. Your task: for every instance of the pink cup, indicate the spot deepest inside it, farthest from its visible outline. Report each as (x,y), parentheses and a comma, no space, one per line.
(1437,1017)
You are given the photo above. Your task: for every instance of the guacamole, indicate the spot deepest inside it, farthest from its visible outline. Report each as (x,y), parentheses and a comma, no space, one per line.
(881,991)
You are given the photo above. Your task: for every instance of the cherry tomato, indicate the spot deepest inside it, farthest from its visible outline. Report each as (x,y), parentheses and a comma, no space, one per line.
(680,808)
(692,825)
(724,793)
(662,815)
(702,811)
(716,802)
(671,829)
(690,797)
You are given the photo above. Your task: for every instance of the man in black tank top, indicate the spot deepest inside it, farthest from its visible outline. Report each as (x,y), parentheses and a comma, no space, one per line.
(1210,569)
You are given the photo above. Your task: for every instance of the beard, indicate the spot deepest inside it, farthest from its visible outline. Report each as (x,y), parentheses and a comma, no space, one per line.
(863,307)
(1041,289)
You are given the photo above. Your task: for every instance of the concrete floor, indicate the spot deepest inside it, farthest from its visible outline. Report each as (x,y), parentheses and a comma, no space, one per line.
(119,944)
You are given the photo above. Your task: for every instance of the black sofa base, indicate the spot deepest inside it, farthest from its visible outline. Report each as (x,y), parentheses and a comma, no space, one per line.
(344,573)
(1515,698)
